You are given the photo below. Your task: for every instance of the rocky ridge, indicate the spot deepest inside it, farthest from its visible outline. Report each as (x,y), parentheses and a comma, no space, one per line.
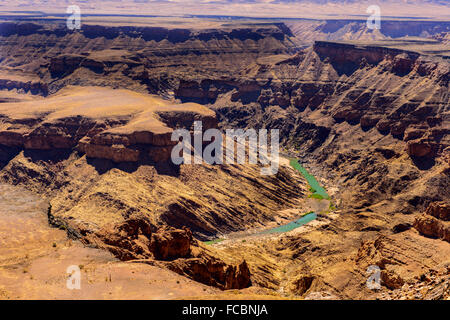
(370,120)
(138,58)
(130,129)
(86,148)
(174,249)
(434,222)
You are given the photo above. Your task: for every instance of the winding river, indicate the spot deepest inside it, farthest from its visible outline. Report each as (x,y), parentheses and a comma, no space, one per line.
(317,192)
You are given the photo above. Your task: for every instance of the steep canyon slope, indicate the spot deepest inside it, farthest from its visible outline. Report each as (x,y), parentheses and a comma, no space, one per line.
(373,122)
(369,119)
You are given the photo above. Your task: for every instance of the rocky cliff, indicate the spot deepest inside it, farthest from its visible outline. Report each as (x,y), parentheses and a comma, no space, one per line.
(308,31)
(171,248)
(146,59)
(331,100)
(370,121)
(101,158)
(434,222)
(121,132)
(118,125)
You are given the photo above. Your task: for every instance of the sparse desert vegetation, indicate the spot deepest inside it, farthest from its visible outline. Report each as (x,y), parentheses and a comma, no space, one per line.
(87,181)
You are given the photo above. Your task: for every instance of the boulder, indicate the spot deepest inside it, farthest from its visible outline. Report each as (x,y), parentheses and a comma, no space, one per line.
(432,227)
(440,210)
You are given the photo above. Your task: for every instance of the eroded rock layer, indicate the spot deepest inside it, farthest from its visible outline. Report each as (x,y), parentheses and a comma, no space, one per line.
(172,248)
(118,125)
(434,223)
(369,121)
(145,59)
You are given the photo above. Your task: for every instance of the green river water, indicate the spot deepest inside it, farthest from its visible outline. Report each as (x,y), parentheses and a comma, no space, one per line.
(318,192)
(292,225)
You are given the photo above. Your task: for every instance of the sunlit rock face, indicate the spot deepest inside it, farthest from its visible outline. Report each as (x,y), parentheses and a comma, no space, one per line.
(130,129)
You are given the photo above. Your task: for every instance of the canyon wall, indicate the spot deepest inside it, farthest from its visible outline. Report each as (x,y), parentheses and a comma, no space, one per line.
(321,98)
(146,59)
(308,31)
(369,121)
(354,109)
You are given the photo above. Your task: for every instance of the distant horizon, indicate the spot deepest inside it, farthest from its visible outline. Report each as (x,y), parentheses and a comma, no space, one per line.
(275,9)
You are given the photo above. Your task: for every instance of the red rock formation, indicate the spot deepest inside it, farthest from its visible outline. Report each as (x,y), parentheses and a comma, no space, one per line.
(141,132)
(440,210)
(172,248)
(435,221)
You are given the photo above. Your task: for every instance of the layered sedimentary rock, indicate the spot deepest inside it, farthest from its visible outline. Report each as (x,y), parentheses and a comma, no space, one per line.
(254,82)
(101,155)
(341,84)
(434,222)
(355,110)
(308,31)
(370,121)
(118,125)
(373,121)
(404,262)
(145,59)
(172,248)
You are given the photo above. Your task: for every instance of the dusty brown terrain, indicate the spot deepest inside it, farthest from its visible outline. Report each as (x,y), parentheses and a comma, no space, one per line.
(89,147)
(35,257)
(111,199)
(369,120)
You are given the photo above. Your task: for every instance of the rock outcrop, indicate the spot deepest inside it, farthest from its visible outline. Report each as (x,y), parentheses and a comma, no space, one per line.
(171,248)
(435,221)
(370,120)
(432,285)
(301,284)
(23,85)
(403,258)
(213,272)
(117,125)
(134,239)
(439,210)
(308,31)
(144,58)
(100,155)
